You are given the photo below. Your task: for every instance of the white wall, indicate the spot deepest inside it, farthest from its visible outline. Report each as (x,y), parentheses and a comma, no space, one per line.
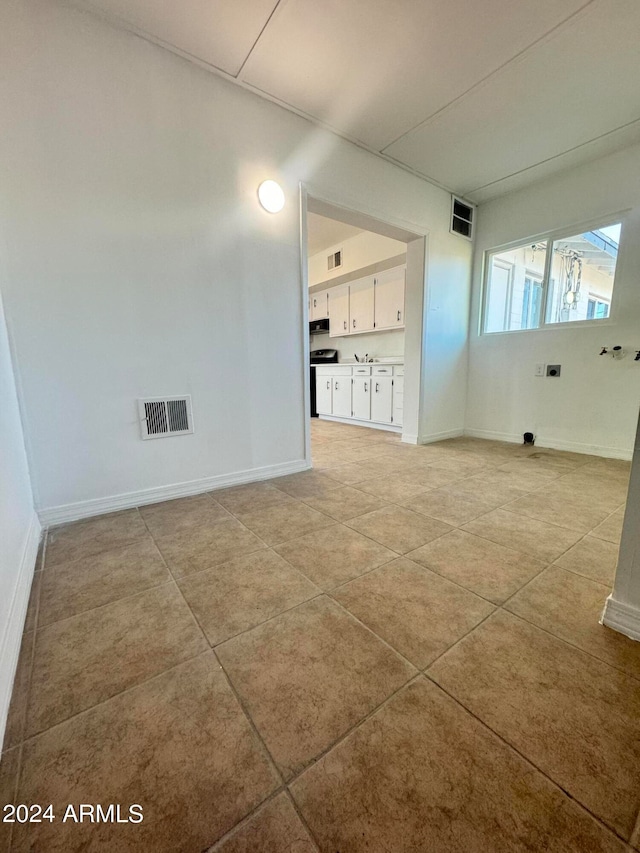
(358,252)
(140,264)
(593,406)
(19,527)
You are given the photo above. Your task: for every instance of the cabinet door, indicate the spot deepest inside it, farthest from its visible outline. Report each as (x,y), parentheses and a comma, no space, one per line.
(362,397)
(319,305)
(342,396)
(361,302)
(338,311)
(323,394)
(398,400)
(389,299)
(381,399)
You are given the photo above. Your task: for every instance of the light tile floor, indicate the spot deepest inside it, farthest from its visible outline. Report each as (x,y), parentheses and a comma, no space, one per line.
(398,651)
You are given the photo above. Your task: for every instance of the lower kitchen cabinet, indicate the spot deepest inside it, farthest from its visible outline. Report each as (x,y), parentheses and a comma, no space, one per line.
(361,400)
(324,395)
(361,393)
(382,399)
(341,396)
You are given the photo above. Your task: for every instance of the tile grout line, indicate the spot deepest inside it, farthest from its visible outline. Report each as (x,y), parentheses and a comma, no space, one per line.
(341,738)
(525,758)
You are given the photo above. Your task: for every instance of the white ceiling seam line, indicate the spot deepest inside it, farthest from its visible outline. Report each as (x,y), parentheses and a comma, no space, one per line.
(554,157)
(280,4)
(492,74)
(125,26)
(121,24)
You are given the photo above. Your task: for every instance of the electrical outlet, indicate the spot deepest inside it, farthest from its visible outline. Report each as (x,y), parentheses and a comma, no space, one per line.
(539,371)
(553,370)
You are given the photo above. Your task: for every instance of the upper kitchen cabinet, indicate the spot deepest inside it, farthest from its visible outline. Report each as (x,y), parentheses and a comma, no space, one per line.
(319,305)
(339,311)
(361,305)
(389,299)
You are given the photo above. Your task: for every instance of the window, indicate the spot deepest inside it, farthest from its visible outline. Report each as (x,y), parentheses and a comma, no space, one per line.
(526,289)
(514,292)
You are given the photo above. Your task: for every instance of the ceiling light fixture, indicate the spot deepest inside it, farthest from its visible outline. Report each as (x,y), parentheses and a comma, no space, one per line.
(271,196)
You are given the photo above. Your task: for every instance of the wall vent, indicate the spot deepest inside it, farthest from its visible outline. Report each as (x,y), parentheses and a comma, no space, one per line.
(334,260)
(461,218)
(161,417)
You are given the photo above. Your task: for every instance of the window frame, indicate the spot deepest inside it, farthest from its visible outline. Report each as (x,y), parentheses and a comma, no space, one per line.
(551,237)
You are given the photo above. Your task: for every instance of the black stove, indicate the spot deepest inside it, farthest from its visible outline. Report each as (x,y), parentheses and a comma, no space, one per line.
(319,356)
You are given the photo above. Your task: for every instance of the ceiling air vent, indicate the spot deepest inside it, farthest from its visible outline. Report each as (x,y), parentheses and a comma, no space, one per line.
(334,260)
(161,417)
(461,218)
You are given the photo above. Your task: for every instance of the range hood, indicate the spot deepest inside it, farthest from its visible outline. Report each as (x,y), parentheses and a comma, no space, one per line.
(317,327)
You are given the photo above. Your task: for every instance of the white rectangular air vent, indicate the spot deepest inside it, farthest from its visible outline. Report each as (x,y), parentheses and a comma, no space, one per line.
(334,260)
(164,416)
(461,218)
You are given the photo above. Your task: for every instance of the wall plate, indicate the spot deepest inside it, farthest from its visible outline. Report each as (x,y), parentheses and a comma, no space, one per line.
(554,370)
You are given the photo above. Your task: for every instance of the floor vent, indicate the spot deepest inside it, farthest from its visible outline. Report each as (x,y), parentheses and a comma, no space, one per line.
(161,417)
(461,218)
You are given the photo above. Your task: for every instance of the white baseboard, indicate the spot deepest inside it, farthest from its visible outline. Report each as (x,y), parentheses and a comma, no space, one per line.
(99,506)
(12,633)
(622,618)
(356,422)
(552,444)
(430,438)
(492,435)
(409,438)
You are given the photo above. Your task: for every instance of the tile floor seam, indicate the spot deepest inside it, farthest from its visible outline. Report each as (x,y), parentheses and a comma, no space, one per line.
(16,788)
(23,729)
(303,819)
(106,604)
(422,568)
(573,645)
(277,544)
(217,844)
(334,744)
(270,619)
(635,832)
(529,761)
(113,601)
(33,737)
(375,634)
(261,741)
(179,591)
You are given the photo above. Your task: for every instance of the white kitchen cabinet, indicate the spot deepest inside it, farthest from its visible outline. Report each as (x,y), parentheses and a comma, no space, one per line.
(319,305)
(339,311)
(362,392)
(361,305)
(389,299)
(324,395)
(361,398)
(382,399)
(398,397)
(341,397)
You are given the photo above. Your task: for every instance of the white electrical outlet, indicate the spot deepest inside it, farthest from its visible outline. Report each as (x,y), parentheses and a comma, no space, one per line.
(539,370)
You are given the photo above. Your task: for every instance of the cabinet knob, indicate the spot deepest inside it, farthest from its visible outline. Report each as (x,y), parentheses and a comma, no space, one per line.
(377,387)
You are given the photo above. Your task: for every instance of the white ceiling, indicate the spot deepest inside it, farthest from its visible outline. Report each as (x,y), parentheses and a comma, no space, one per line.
(480,97)
(323,233)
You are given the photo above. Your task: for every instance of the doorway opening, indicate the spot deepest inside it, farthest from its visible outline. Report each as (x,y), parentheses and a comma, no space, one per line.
(364,283)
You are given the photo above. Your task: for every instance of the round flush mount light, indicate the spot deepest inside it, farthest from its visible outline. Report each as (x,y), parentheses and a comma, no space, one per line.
(271,196)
